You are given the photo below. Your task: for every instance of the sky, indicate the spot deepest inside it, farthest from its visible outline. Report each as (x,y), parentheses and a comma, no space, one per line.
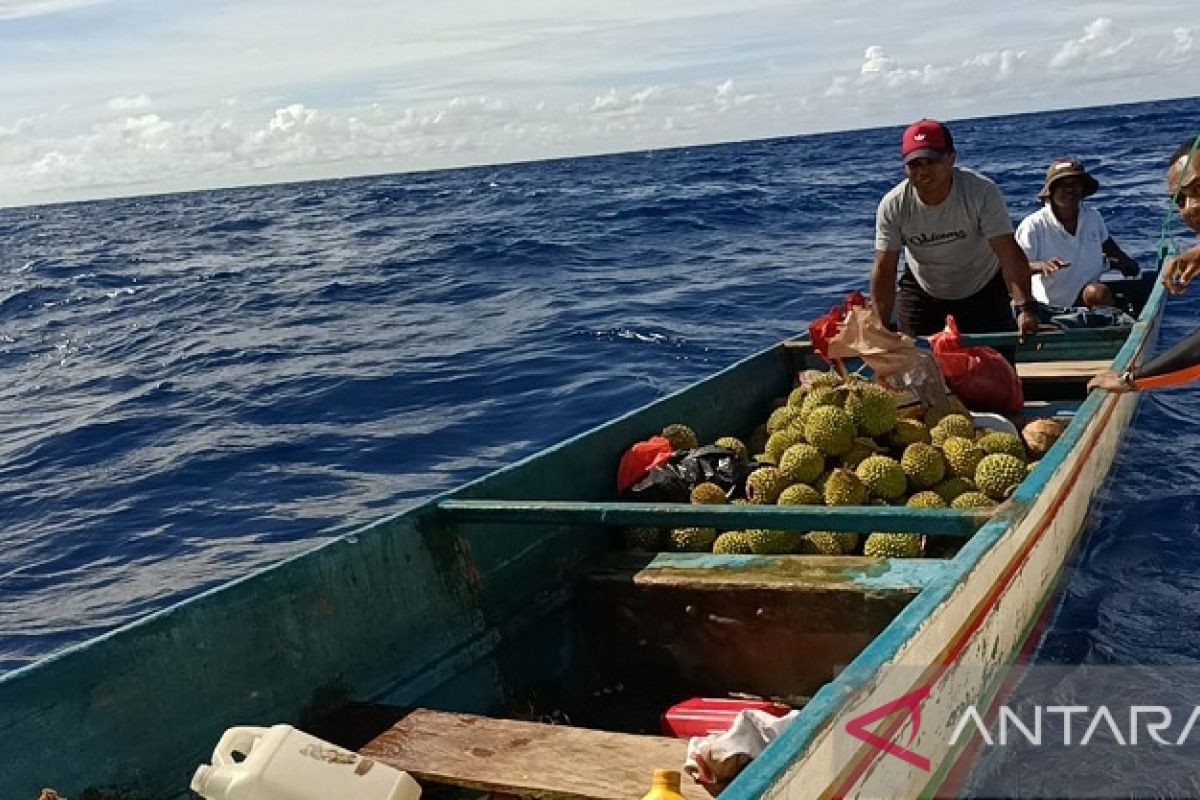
(104,98)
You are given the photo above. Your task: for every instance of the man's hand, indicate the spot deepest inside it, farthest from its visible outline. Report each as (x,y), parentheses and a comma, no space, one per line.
(1027,323)
(1049,266)
(1108,379)
(1178,274)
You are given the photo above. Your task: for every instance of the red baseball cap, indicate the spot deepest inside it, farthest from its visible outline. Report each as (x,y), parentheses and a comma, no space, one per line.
(926,138)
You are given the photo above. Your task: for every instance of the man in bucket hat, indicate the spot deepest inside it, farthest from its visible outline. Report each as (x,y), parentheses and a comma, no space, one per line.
(1067,242)
(957,237)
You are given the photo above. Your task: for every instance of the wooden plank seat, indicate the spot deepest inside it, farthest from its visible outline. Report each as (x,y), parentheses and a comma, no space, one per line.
(692,624)
(527,759)
(1061,370)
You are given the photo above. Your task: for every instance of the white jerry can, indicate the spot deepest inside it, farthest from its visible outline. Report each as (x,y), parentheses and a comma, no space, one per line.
(282,763)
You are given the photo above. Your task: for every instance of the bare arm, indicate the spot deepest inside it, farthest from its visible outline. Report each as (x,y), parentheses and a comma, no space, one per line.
(883,283)
(1015,267)
(1178,273)
(1129,267)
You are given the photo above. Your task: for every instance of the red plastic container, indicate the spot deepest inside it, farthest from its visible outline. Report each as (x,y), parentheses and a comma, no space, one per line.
(701,716)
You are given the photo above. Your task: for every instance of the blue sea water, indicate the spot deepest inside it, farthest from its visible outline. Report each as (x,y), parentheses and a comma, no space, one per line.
(196,385)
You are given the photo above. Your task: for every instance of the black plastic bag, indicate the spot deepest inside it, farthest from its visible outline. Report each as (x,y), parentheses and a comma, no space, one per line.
(673,481)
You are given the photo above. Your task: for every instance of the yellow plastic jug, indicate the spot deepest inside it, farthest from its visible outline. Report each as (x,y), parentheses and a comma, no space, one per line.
(282,763)
(665,786)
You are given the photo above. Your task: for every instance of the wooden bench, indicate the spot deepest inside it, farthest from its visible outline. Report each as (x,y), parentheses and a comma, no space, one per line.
(1061,370)
(527,759)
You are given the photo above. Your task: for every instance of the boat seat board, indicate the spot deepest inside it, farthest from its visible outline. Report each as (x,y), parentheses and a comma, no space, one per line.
(527,759)
(1080,370)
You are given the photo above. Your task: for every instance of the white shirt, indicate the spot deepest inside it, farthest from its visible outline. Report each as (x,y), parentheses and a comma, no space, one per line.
(1043,237)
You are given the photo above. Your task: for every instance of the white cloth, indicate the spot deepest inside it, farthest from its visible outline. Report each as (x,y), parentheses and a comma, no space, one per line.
(946,245)
(1042,237)
(719,757)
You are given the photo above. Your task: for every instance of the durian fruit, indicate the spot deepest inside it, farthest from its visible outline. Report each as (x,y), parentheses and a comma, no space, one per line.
(832,543)
(844,488)
(860,448)
(781,418)
(692,540)
(998,474)
(962,456)
(926,499)
(953,405)
(830,429)
(735,444)
(883,477)
(765,542)
(781,440)
(821,396)
(796,397)
(908,431)
(972,500)
(924,465)
(815,378)
(800,494)
(958,425)
(801,463)
(822,479)
(893,545)
(998,442)
(872,409)
(680,436)
(643,540)
(764,485)
(732,543)
(708,494)
(1041,434)
(953,486)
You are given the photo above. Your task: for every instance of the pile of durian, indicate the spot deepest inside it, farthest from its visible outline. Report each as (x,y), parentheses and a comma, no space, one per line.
(838,442)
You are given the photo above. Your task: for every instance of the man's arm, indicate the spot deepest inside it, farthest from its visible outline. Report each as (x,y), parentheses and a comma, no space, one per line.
(1129,268)
(1015,268)
(1178,273)
(883,283)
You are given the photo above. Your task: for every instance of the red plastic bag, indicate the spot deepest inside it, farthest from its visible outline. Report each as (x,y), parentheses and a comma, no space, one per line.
(822,329)
(980,376)
(640,459)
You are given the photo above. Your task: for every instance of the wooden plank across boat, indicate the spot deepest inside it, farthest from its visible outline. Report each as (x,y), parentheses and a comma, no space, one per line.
(499,640)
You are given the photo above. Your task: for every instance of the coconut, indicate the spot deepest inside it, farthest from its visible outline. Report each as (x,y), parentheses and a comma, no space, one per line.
(1041,434)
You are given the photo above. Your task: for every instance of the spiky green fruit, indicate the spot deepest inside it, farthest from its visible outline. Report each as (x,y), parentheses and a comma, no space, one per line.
(906,432)
(801,463)
(893,545)
(958,425)
(781,440)
(813,378)
(962,456)
(999,442)
(735,444)
(844,488)
(796,397)
(820,397)
(998,474)
(773,543)
(764,485)
(926,499)
(680,436)
(883,477)
(924,465)
(872,409)
(732,543)
(832,543)
(692,540)
(830,429)
(643,540)
(972,500)
(781,418)
(860,448)
(800,494)
(708,494)
(953,486)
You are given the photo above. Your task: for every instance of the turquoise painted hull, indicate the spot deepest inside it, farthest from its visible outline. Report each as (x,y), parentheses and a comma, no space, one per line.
(464,603)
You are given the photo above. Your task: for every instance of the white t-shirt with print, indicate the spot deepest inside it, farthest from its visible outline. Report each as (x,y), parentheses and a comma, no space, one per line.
(946,245)
(1042,237)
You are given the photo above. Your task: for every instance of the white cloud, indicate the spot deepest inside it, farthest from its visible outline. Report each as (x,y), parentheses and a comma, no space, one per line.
(1101,41)
(20,9)
(136,102)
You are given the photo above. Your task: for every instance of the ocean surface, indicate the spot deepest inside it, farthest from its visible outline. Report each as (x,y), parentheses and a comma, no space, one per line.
(196,385)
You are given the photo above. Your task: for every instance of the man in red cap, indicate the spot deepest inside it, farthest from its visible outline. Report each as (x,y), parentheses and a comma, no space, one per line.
(957,237)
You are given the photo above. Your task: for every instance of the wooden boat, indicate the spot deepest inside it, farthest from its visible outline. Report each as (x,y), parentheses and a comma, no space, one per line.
(538,661)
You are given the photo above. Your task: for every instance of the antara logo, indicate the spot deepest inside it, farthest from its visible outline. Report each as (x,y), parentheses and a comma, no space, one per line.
(920,137)
(911,703)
